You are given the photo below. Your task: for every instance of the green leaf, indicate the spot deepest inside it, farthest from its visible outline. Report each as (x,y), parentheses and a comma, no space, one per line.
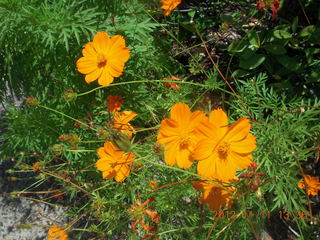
(254,38)
(240,73)
(275,49)
(237,47)
(254,61)
(294,25)
(289,63)
(307,31)
(282,34)
(314,77)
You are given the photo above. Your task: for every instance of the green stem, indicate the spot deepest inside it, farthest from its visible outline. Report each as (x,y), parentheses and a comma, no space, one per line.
(63,114)
(152,81)
(147,129)
(81,150)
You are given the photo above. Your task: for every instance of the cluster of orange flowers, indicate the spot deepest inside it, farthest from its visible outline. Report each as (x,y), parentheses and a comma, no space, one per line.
(219,148)
(115,162)
(311,184)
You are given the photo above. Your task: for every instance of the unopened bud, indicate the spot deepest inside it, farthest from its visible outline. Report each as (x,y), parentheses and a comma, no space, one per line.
(69,95)
(32,101)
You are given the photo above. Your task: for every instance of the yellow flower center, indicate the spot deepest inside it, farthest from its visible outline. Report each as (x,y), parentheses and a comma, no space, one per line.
(102,60)
(223,150)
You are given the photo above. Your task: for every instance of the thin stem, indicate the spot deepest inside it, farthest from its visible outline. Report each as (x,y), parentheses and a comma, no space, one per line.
(63,114)
(153,81)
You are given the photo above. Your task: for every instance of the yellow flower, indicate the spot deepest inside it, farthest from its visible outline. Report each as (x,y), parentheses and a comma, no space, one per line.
(56,233)
(223,148)
(103,59)
(169,5)
(312,184)
(177,134)
(114,163)
(213,195)
(121,122)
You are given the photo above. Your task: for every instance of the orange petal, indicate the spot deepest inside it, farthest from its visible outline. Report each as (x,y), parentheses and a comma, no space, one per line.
(101,42)
(183,158)
(105,78)
(240,161)
(169,127)
(219,118)
(203,149)
(90,77)
(87,65)
(89,50)
(246,145)
(181,113)
(238,131)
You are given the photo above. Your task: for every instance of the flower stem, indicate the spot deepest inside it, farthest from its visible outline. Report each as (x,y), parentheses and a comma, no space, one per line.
(151,81)
(65,115)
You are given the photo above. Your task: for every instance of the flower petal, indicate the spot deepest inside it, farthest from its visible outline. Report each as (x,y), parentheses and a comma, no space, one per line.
(238,131)
(101,42)
(105,78)
(90,77)
(87,65)
(181,113)
(89,50)
(246,145)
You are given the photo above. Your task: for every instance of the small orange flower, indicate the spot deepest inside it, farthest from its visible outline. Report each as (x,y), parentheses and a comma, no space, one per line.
(213,195)
(153,184)
(141,213)
(56,233)
(114,103)
(311,183)
(169,5)
(223,148)
(172,85)
(114,163)
(104,58)
(121,122)
(177,134)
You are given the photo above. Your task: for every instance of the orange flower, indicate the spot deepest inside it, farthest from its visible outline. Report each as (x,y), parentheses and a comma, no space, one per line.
(114,163)
(153,184)
(177,134)
(56,233)
(140,214)
(104,58)
(213,195)
(169,5)
(121,122)
(114,103)
(312,184)
(172,85)
(223,148)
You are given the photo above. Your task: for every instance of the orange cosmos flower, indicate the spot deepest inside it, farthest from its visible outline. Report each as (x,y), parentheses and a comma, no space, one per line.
(172,85)
(104,58)
(153,184)
(121,122)
(223,148)
(56,233)
(311,183)
(213,195)
(141,214)
(114,163)
(114,103)
(178,136)
(169,5)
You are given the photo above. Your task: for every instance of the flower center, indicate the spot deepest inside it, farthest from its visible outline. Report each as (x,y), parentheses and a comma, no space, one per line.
(102,60)
(223,150)
(184,140)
